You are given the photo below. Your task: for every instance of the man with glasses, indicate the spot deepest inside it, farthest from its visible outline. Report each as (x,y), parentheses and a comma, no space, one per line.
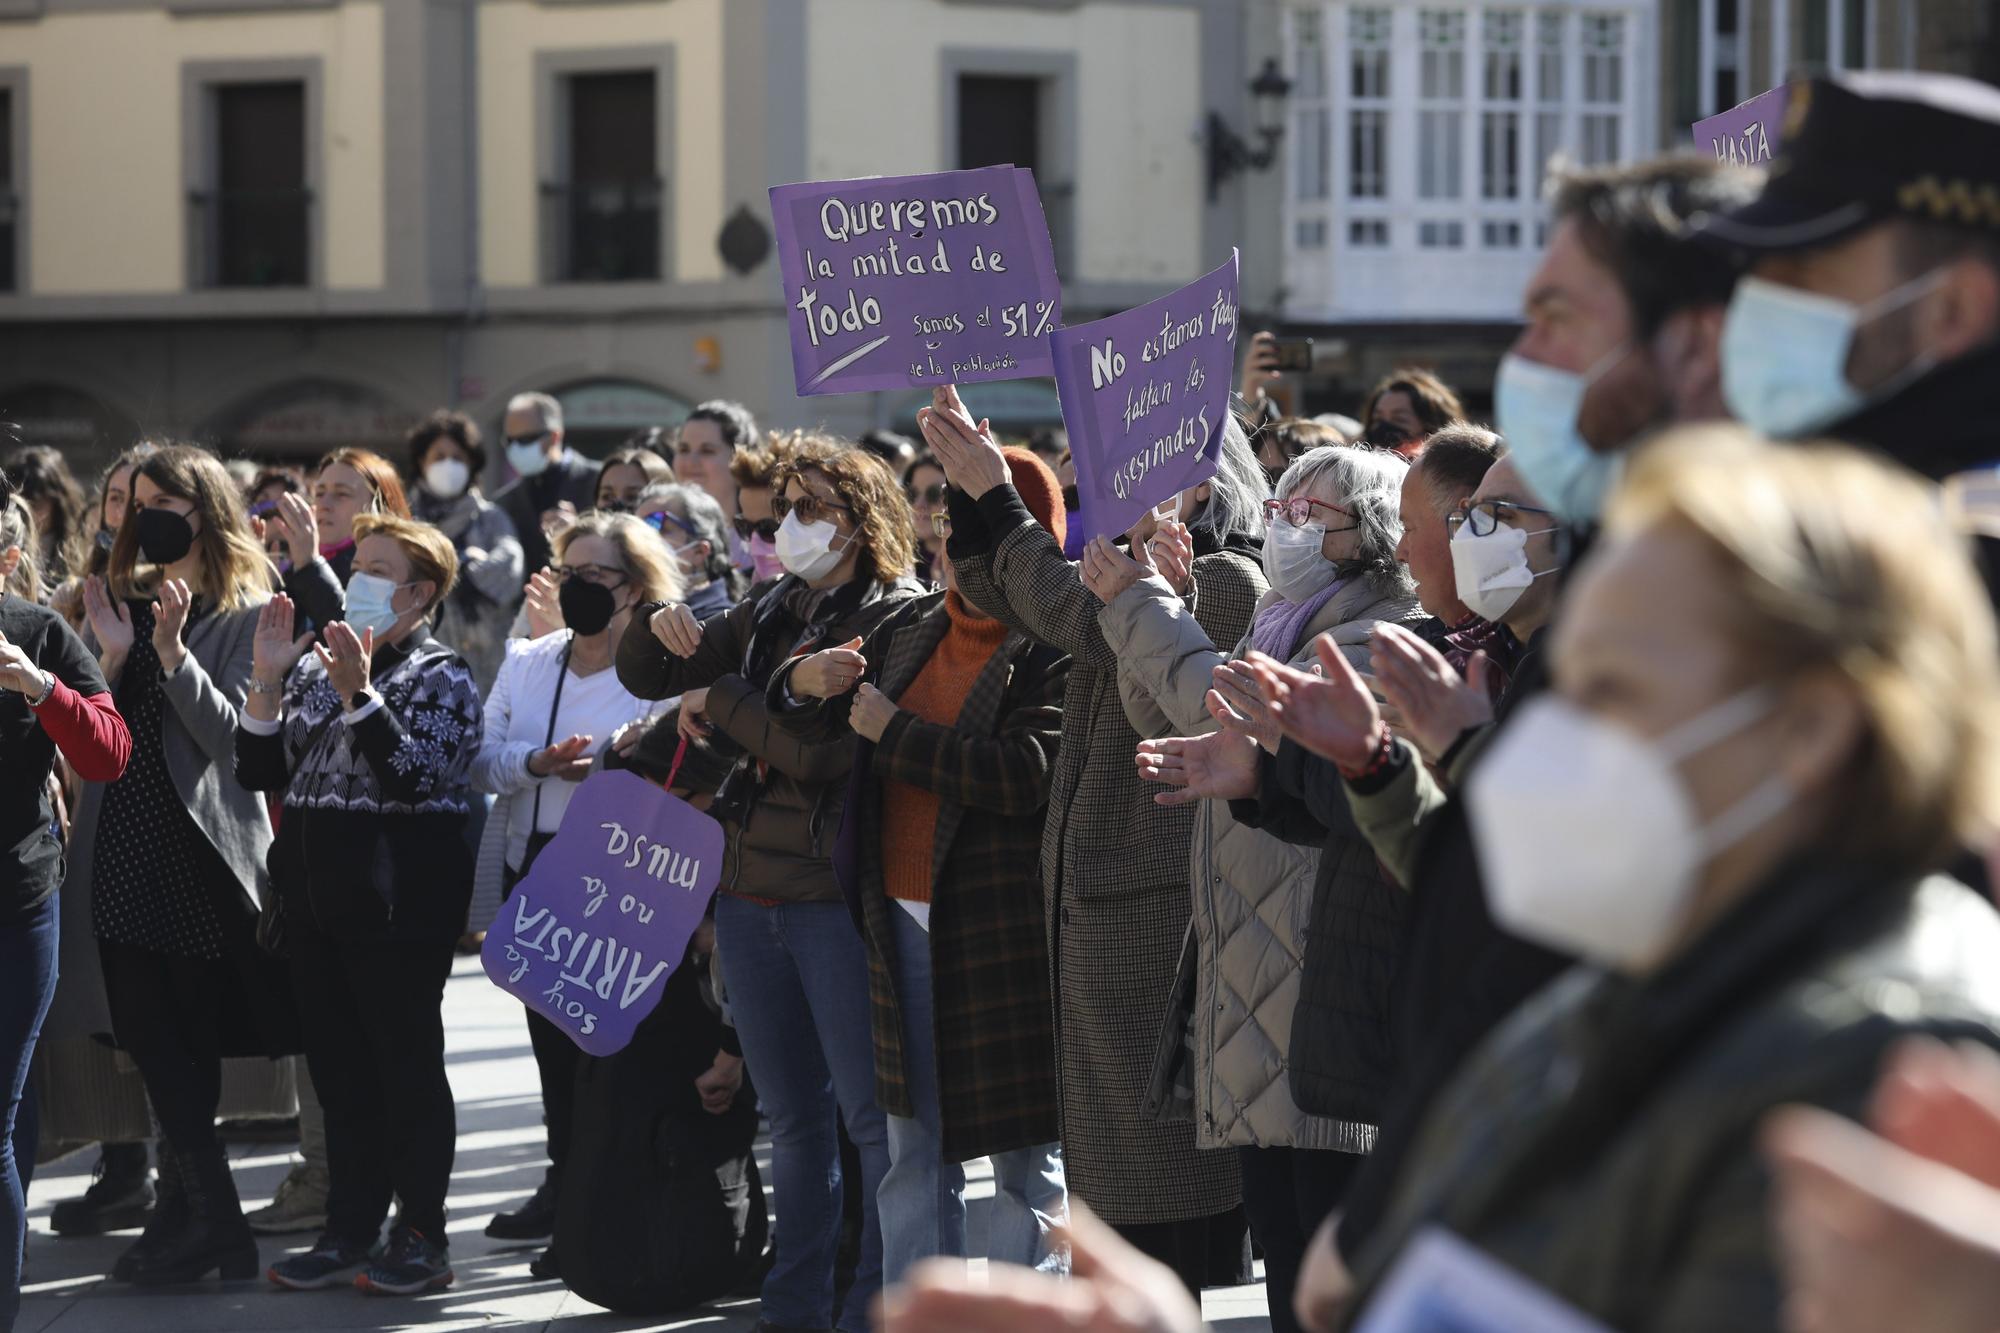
(553,483)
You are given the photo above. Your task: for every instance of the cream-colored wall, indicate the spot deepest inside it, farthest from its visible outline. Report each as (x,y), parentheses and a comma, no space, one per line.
(875,68)
(511,34)
(107,210)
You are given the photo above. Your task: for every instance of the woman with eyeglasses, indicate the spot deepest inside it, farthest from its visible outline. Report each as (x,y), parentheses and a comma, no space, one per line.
(1294,928)
(171,856)
(319,537)
(552,710)
(690,521)
(924,484)
(796,970)
(369,733)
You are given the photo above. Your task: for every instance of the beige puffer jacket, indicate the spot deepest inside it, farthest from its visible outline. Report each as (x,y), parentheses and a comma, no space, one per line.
(1252,892)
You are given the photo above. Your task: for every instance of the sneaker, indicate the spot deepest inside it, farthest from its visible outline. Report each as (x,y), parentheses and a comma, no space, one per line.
(331,1262)
(299,1204)
(120,1195)
(411,1262)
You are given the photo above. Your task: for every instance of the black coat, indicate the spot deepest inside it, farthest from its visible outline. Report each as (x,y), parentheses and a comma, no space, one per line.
(571,477)
(1458,976)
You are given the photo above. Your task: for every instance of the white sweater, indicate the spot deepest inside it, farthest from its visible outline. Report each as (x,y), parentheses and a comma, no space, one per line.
(517,725)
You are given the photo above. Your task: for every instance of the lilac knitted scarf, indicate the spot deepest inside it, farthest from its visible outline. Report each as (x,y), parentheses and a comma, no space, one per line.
(1275,632)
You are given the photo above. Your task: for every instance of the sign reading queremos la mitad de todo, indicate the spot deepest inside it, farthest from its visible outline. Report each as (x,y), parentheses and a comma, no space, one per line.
(894,282)
(590,935)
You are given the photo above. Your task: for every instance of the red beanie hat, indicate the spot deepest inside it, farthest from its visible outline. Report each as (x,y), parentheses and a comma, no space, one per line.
(1038,490)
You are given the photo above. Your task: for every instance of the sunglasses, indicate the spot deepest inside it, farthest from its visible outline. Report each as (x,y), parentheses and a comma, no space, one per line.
(658,522)
(1298,511)
(932,494)
(810,508)
(767,528)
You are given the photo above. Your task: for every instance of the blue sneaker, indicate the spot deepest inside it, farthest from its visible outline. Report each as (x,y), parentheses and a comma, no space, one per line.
(410,1263)
(331,1262)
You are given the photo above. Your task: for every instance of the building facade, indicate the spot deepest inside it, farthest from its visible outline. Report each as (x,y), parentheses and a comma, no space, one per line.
(1421,132)
(285,225)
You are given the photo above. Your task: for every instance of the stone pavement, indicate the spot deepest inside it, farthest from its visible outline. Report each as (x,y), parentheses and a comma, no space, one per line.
(499,1162)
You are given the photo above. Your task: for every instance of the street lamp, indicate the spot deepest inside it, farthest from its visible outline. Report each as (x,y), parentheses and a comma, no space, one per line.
(1228,152)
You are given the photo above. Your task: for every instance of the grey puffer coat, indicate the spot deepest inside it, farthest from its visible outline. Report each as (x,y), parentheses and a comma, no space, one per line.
(1252,892)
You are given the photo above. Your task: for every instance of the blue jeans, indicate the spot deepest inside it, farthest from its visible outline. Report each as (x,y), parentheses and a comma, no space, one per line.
(923,1196)
(797,978)
(27,984)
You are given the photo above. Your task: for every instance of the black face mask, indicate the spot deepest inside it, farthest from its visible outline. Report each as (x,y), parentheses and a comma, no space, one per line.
(619,507)
(587,608)
(164,536)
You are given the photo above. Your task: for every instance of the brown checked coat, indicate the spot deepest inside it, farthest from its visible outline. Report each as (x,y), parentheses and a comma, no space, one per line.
(993,1029)
(1114,869)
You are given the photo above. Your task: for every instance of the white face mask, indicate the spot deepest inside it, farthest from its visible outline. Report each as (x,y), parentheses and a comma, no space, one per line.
(1587,837)
(1492,572)
(807,549)
(447,478)
(1292,560)
(1784,354)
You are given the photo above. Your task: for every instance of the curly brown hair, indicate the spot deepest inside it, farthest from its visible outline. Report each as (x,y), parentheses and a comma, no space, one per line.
(883,523)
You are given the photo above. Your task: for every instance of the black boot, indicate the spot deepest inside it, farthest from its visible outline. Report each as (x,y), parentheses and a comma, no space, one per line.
(120,1195)
(216,1238)
(533,1220)
(171,1217)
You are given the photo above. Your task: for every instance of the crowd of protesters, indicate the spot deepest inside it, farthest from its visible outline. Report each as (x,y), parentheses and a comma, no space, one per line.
(1557,837)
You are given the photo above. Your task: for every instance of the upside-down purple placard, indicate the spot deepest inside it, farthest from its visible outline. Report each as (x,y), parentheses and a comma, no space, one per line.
(1144,396)
(590,935)
(900,281)
(1747,133)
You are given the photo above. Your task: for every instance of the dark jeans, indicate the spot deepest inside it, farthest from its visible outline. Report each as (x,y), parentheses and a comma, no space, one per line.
(374,1038)
(167,1013)
(27,984)
(556,1055)
(1288,1192)
(1188,1247)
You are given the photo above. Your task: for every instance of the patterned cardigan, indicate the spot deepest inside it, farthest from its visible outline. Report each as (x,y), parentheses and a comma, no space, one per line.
(1114,867)
(989,948)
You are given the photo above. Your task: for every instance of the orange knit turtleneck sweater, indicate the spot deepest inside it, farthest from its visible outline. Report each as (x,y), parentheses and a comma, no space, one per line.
(909,813)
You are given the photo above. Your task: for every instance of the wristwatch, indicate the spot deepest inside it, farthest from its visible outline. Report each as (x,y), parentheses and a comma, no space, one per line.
(48,688)
(359,700)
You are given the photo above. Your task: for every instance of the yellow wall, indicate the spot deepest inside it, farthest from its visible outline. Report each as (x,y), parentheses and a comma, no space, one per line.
(875,109)
(511,34)
(106,194)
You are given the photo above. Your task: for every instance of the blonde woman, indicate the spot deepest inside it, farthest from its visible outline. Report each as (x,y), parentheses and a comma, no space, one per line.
(171,855)
(554,707)
(369,735)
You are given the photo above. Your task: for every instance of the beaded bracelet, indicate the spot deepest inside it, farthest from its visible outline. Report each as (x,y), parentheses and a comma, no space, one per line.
(1380,757)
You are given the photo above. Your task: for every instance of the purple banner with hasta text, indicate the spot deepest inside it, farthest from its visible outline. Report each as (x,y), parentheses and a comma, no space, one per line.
(590,935)
(894,282)
(1144,396)
(1748,132)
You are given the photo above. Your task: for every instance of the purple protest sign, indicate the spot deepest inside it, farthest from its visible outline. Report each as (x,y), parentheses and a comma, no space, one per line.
(1144,395)
(900,281)
(1744,134)
(589,937)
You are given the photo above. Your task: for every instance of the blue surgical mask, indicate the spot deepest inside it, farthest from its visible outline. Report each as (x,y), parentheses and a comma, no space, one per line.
(1784,354)
(1538,406)
(531,459)
(370,604)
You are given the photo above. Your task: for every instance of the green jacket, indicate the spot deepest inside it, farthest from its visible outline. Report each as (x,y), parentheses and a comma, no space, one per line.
(1604,1141)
